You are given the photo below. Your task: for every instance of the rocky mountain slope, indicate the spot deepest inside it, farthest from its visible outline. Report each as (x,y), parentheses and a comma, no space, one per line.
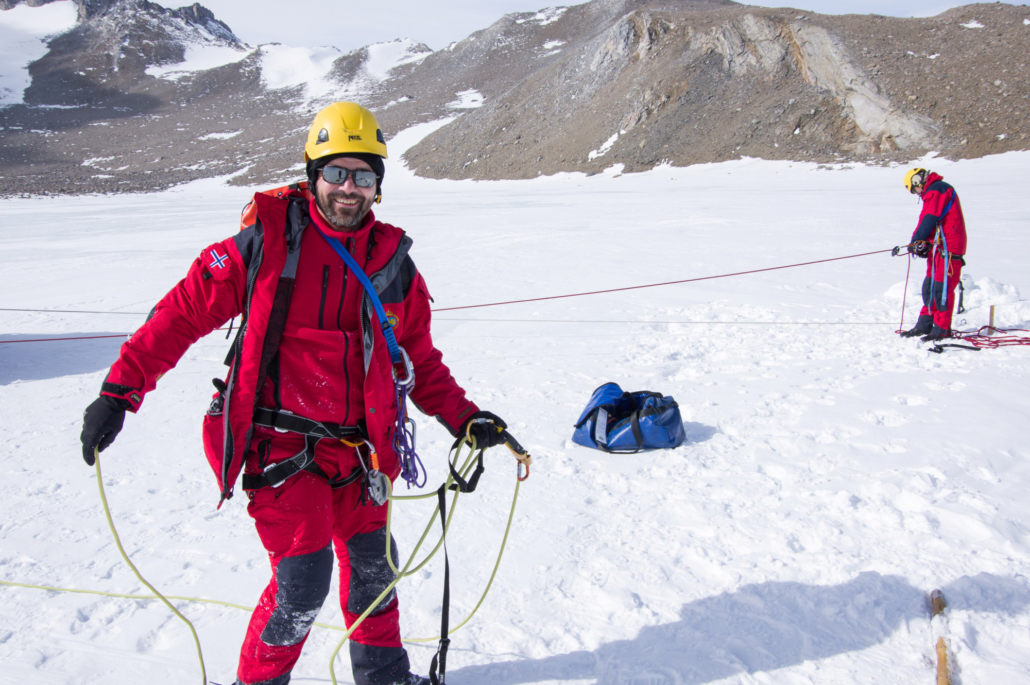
(138,97)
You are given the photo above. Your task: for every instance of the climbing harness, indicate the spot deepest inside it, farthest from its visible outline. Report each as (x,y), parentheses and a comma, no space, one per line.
(283,421)
(940,240)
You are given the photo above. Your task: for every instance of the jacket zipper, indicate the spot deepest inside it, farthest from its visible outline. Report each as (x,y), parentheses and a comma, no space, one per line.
(325,287)
(346,342)
(343,291)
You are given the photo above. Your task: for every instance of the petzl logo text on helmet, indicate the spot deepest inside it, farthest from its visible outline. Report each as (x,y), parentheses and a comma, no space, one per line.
(353,137)
(323,136)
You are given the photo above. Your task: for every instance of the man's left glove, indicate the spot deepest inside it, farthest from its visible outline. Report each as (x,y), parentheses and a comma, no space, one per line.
(101,422)
(485,428)
(920,248)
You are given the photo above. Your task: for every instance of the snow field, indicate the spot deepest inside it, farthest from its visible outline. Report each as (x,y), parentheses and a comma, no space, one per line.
(833,474)
(23,32)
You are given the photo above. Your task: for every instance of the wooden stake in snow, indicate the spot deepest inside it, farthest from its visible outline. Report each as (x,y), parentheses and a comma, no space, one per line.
(990,331)
(939,626)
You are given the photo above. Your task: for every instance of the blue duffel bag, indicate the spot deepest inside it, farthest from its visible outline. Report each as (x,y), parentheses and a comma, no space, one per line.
(628,422)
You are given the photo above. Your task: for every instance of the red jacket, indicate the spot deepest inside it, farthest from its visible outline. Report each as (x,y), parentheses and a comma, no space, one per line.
(255,274)
(936,198)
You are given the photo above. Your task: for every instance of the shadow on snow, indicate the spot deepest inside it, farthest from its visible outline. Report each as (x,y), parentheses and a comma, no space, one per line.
(35,361)
(759,628)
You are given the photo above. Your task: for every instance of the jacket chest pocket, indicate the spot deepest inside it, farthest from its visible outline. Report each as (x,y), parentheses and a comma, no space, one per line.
(318,373)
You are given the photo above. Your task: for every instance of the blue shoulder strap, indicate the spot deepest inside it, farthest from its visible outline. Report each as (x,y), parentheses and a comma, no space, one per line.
(384,322)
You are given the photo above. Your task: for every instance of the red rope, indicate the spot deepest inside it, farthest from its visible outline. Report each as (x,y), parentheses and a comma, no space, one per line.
(496,304)
(655,285)
(991,342)
(904,298)
(81,337)
(84,337)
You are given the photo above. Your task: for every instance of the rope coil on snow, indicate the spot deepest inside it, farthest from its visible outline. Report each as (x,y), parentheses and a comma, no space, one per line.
(117,541)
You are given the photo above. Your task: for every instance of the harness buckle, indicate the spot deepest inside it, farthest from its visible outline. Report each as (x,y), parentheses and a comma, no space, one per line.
(272,466)
(281,430)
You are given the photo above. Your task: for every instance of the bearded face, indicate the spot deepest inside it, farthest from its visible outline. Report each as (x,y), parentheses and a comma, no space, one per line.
(344,206)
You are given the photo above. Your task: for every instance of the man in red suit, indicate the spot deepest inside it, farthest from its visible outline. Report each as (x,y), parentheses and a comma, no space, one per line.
(309,413)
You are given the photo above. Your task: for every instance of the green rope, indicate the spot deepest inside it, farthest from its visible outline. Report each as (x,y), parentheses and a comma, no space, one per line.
(465,469)
(117,540)
(147,598)
(402,573)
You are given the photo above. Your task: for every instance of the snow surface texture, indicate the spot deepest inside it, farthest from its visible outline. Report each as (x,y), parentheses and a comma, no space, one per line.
(23,34)
(833,476)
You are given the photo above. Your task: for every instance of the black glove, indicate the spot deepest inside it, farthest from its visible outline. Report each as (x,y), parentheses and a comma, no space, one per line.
(101,422)
(483,426)
(920,248)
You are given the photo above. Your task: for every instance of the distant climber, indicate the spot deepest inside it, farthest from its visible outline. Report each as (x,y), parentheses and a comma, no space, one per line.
(940,238)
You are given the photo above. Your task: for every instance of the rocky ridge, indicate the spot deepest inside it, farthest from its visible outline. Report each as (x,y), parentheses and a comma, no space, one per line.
(580,88)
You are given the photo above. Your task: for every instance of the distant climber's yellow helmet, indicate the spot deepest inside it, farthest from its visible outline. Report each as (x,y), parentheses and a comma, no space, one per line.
(344,127)
(915,179)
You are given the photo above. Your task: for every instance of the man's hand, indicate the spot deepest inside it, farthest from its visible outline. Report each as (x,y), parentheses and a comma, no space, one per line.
(485,428)
(101,422)
(920,248)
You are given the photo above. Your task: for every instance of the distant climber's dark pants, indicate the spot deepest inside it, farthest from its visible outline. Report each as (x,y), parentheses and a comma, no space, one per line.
(300,523)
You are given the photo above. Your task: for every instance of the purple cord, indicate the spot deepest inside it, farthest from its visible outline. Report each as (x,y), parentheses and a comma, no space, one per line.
(412,470)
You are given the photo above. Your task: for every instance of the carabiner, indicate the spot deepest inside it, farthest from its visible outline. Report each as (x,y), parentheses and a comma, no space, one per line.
(409,380)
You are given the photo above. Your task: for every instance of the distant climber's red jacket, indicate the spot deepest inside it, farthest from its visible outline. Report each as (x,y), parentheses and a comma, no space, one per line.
(936,198)
(332,363)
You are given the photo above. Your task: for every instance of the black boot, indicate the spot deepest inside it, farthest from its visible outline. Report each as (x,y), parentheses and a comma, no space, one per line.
(923,327)
(412,679)
(936,335)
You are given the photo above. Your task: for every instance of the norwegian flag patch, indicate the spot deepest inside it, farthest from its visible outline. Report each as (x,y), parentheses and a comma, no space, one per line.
(219,260)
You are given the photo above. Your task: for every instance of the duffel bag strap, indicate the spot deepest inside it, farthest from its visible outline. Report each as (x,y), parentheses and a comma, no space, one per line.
(599,433)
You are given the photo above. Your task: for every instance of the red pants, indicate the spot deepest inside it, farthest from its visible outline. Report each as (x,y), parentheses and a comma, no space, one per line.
(935,304)
(300,524)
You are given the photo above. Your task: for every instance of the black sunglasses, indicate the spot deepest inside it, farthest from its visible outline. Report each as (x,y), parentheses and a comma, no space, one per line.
(337,175)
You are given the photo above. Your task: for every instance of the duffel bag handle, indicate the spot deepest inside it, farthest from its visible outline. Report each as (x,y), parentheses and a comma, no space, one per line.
(601,431)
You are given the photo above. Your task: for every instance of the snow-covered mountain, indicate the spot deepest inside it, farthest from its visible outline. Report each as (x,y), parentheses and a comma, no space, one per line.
(136,96)
(150,97)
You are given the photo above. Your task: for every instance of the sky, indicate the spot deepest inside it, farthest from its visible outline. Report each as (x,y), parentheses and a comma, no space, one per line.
(437,24)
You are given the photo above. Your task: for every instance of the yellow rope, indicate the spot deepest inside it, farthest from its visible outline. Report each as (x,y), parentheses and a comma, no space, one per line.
(400,573)
(147,598)
(117,540)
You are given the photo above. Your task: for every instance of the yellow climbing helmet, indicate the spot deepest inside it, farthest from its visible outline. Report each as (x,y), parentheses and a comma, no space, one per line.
(914,179)
(341,128)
